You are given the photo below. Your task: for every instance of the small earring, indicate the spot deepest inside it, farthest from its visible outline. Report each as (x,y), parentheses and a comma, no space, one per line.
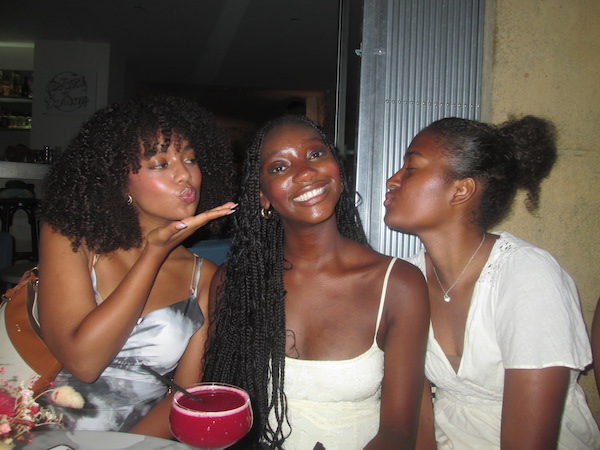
(129,199)
(266,213)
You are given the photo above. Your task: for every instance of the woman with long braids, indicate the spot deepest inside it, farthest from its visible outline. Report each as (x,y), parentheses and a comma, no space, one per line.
(507,339)
(117,289)
(327,335)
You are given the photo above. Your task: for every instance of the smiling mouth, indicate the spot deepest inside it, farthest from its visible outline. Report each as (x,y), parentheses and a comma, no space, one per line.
(310,194)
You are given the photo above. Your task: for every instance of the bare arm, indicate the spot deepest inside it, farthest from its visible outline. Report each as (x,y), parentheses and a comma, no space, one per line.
(532,407)
(407,323)
(72,323)
(426,432)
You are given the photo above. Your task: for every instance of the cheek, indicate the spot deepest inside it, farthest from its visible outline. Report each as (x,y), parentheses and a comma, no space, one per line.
(141,186)
(432,192)
(334,174)
(196,174)
(416,201)
(276,191)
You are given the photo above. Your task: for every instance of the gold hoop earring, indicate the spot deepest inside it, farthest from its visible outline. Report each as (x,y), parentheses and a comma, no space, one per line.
(266,213)
(129,199)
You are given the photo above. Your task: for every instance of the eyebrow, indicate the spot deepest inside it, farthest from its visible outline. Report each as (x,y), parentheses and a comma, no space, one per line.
(187,147)
(410,153)
(308,142)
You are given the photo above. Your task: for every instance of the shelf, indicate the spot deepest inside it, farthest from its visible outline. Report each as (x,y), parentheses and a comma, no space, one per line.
(20,170)
(15,100)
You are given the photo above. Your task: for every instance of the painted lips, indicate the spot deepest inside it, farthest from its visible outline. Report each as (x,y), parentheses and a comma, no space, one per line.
(188,195)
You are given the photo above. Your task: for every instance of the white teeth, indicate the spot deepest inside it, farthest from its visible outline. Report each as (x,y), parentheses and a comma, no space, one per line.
(310,194)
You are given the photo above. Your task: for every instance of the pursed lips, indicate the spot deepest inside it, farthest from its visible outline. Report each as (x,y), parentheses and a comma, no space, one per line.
(388,199)
(188,195)
(310,194)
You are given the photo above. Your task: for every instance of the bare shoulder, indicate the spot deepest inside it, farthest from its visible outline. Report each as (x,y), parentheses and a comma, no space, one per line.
(57,254)
(405,271)
(183,256)
(407,288)
(361,256)
(207,270)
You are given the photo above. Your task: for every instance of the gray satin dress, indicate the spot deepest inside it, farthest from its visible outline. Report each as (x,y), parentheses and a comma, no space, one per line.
(124,392)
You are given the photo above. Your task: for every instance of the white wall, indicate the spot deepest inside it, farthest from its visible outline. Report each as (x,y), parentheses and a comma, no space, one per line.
(70,82)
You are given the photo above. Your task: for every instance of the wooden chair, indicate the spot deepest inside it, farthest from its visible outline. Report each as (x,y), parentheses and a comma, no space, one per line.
(20,196)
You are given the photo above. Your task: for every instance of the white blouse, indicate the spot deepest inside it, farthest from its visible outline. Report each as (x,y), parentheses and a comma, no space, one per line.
(524,314)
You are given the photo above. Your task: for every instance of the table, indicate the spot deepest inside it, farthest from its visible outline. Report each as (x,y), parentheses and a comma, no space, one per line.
(96,440)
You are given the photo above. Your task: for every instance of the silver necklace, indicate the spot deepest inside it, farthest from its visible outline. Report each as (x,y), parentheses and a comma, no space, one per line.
(446,291)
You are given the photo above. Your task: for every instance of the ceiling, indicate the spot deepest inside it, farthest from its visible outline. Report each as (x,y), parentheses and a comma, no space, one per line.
(245,60)
(247,44)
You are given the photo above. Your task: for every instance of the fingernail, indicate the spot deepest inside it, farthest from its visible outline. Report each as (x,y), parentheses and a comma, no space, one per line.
(231,211)
(235,205)
(180,226)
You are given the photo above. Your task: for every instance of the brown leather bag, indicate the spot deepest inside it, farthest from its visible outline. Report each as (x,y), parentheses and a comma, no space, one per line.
(23,353)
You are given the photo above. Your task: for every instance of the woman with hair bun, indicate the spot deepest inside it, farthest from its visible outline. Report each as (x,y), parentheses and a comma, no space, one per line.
(507,340)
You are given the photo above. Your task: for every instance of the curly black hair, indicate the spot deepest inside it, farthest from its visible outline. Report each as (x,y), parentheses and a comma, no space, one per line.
(86,188)
(248,331)
(517,154)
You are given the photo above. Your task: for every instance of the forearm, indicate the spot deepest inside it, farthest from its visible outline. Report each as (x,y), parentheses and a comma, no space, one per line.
(391,439)
(156,422)
(426,429)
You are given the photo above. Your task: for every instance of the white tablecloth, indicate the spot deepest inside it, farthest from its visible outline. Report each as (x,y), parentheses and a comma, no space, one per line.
(96,440)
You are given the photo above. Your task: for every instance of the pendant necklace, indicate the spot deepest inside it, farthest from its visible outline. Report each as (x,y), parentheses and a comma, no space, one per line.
(446,291)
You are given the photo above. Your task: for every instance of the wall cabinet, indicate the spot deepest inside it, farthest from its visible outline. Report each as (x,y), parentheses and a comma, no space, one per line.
(15,114)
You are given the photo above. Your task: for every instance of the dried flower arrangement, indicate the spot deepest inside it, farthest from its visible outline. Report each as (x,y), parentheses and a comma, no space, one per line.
(20,411)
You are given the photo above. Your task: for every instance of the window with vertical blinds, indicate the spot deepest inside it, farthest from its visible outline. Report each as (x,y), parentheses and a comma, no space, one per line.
(421,60)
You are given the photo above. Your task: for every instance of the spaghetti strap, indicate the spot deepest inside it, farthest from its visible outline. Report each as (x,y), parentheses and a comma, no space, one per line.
(195,275)
(383,294)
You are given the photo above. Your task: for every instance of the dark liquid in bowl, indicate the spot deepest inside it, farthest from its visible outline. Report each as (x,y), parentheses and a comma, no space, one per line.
(222,418)
(221,400)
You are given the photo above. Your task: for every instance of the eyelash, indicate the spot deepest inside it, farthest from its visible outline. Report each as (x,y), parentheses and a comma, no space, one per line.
(313,155)
(193,160)
(276,169)
(317,153)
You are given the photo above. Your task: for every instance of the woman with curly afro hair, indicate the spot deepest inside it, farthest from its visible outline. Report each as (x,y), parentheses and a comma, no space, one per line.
(507,340)
(117,289)
(303,318)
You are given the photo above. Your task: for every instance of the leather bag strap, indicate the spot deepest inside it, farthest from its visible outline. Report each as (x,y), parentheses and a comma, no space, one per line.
(24,332)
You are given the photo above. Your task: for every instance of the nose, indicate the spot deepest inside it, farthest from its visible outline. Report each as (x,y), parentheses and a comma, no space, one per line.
(182,173)
(394,181)
(305,172)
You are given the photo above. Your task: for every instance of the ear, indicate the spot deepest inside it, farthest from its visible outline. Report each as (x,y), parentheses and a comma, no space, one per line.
(466,189)
(264,202)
